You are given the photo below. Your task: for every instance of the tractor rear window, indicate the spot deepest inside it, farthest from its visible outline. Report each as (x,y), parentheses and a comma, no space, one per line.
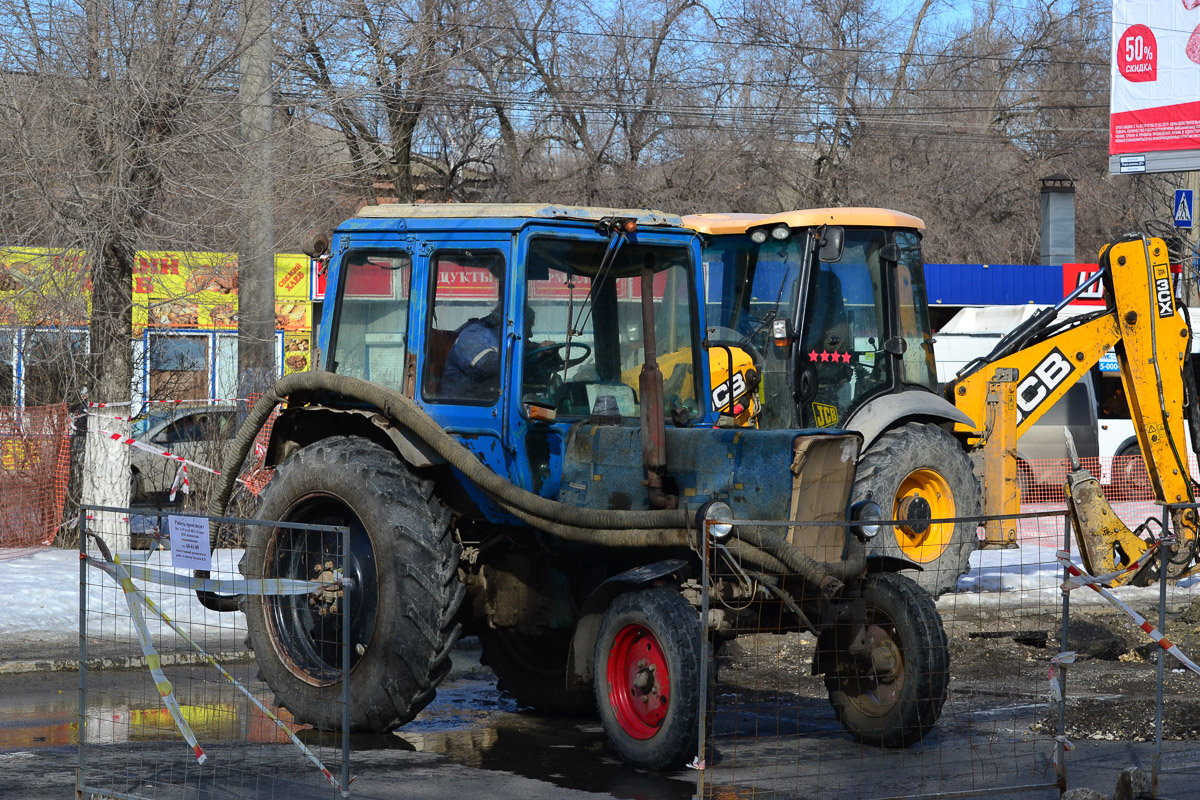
(370,337)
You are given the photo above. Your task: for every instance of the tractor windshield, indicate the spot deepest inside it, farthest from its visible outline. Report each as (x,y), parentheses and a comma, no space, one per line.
(585,326)
(839,360)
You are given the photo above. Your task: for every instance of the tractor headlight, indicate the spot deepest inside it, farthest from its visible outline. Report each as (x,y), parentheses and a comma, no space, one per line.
(866,516)
(780,232)
(716,517)
(758,236)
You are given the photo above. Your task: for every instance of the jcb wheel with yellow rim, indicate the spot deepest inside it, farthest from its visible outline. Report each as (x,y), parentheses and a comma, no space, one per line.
(918,473)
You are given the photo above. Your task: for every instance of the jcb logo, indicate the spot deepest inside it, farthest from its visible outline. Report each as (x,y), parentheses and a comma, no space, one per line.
(1041,381)
(721,396)
(824,416)
(1166,304)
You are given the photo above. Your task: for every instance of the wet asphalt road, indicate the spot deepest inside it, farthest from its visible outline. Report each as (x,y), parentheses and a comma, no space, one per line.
(473,743)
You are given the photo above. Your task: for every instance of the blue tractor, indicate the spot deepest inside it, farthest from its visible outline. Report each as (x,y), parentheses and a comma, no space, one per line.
(517,416)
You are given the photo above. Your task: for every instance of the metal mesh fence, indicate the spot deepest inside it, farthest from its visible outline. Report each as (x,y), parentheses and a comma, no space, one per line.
(937,697)
(170,700)
(787,719)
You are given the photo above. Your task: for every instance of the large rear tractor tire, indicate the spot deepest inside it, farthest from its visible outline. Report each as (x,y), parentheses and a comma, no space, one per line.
(897,695)
(533,669)
(916,473)
(647,677)
(405,595)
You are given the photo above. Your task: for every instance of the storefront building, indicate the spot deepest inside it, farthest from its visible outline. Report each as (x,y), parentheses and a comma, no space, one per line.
(184,324)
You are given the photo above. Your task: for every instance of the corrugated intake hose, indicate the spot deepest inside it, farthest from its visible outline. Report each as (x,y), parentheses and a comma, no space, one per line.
(810,569)
(611,528)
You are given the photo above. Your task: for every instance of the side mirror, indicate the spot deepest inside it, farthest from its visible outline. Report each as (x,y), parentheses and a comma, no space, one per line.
(833,238)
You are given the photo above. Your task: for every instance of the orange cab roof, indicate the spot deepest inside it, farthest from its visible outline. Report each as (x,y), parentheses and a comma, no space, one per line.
(803,218)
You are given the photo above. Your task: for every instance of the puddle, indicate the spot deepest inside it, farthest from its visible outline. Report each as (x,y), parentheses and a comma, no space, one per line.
(469,723)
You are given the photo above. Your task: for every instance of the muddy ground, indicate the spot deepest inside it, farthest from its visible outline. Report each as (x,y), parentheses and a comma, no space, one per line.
(1002,661)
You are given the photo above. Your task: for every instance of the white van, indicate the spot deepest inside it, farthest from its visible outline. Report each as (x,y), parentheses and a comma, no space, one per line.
(1116,434)
(973,333)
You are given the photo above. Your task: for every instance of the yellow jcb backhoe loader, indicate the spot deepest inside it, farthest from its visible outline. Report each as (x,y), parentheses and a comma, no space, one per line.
(1032,368)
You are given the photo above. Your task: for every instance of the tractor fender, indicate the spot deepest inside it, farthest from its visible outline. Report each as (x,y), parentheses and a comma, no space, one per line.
(580,657)
(890,410)
(302,426)
(882,563)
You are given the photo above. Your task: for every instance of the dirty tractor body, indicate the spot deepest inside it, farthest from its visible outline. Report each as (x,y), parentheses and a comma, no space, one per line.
(477,423)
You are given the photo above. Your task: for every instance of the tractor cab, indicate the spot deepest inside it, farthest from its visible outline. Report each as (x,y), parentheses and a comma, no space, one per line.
(510,335)
(831,303)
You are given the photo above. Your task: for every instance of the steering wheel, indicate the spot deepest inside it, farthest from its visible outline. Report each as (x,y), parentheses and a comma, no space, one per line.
(542,350)
(727,337)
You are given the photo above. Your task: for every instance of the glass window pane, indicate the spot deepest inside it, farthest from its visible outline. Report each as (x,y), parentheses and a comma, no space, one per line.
(371,337)
(585,328)
(55,363)
(465,337)
(844,330)
(913,313)
(7,369)
(178,367)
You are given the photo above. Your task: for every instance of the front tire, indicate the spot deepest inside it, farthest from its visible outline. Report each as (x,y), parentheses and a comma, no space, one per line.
(896,698)
(919,472)
(406,593)
(647,677)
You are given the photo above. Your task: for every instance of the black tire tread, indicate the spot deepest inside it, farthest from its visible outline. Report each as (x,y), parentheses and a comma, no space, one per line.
(927,666)
(423,563)
(544,688)
(675,624)
(893,456)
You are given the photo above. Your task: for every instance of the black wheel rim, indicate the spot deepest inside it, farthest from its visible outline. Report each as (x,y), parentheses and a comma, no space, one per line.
(307,629)
(879,687)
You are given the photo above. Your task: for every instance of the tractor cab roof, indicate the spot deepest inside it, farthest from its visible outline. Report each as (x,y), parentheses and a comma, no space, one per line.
(803,218)
(502,215)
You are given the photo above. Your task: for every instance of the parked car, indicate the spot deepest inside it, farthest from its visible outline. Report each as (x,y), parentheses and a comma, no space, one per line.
(200,434)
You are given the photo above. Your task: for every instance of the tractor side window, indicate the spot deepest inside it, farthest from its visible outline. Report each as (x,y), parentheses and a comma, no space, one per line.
(842,345)
(465,340)
(371,330)
(913,312)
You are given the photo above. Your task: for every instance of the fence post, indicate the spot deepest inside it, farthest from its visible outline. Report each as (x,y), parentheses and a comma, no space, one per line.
(705,662)
(347,588)
(1163,561)
(82,733)
(1060,747)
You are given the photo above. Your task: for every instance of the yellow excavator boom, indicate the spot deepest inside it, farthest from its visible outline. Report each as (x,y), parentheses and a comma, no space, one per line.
(1032,368)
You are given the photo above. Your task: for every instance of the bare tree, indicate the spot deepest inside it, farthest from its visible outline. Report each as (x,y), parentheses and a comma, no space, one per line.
(371,67)
(99,101)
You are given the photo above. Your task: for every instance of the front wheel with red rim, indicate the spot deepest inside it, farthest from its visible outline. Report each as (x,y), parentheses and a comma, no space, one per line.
(647,677)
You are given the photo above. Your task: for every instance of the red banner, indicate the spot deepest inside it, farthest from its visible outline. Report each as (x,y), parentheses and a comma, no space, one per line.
(1074,276)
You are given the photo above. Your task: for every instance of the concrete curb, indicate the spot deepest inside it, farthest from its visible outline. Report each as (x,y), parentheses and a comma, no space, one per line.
(22,666)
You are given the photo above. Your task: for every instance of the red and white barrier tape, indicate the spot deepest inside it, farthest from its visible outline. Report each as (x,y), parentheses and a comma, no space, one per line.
(134,443)
(180,483)
(179,480)
(1083,579)
(130,403)
(255,479)
(1064,558)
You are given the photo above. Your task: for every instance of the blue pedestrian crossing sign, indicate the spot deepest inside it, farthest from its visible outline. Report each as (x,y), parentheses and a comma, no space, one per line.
(1183,208)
